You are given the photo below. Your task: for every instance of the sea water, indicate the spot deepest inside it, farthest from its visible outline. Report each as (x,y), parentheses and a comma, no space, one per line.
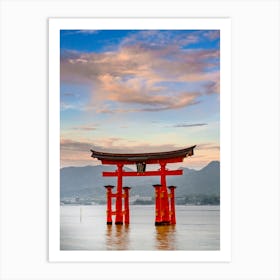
(83,227)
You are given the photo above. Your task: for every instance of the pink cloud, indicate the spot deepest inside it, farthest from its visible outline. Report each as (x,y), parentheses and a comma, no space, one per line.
(131,75)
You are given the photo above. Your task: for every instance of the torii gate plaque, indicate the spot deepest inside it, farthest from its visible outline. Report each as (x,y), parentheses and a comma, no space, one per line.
(164,201)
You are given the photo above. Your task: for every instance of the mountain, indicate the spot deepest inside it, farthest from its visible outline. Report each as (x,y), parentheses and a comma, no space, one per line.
(87,182)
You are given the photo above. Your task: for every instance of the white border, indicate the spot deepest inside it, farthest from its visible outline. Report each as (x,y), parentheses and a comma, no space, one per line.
(224,254)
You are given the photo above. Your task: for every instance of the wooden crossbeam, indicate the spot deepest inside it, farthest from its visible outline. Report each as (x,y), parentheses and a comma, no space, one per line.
(146,173)
(148,161)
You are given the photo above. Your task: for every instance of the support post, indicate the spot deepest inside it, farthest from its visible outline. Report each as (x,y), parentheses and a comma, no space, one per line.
(119,213)
(172,205)
(126,205)
(164,195)
(158,218)
(109,203)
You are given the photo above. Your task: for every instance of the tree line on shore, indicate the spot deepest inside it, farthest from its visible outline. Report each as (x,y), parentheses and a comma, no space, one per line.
(193,199)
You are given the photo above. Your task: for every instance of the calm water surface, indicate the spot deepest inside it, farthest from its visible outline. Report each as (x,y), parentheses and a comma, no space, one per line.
(84,228)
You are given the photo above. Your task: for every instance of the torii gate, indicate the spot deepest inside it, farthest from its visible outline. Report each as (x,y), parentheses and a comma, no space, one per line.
(164,209)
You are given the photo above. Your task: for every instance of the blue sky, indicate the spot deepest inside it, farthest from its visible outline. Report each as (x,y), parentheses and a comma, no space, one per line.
(139,91)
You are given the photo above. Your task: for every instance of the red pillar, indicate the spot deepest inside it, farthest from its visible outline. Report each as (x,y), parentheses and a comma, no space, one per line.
(164,194)
(172,205)
(119,213)
(109,204)
(126,205)
(158,211)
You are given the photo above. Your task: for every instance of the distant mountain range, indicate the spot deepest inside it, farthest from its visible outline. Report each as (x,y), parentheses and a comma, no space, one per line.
(87,182)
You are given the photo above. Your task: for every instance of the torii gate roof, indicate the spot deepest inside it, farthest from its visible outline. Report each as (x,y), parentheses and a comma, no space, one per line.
(148,158)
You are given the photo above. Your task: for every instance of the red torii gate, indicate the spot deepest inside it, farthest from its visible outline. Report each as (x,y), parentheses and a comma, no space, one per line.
(164,209)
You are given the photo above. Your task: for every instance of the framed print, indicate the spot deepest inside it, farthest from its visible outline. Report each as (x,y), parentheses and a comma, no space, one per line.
(49,234)
(142,108)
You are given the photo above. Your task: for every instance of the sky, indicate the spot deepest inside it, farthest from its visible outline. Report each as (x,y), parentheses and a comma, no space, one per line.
(130,91)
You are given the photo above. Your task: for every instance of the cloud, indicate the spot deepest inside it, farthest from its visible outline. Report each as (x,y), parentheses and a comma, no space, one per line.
(103,144)
(72,106)
(87,31)
(82,31)
(139,62)
(130,78)
(208,146)
(113,145)
(138,92)
(72,145)
(67,106)
(153,39)
(85,128)
(212,34)
(70,94)
(190,125)
(212,87)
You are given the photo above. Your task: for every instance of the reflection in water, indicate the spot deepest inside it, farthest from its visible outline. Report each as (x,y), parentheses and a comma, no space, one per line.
(84,228)
(117,237)
(166,237)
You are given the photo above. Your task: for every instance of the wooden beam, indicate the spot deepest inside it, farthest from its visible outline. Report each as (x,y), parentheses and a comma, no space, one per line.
(149,161)
(146,173)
